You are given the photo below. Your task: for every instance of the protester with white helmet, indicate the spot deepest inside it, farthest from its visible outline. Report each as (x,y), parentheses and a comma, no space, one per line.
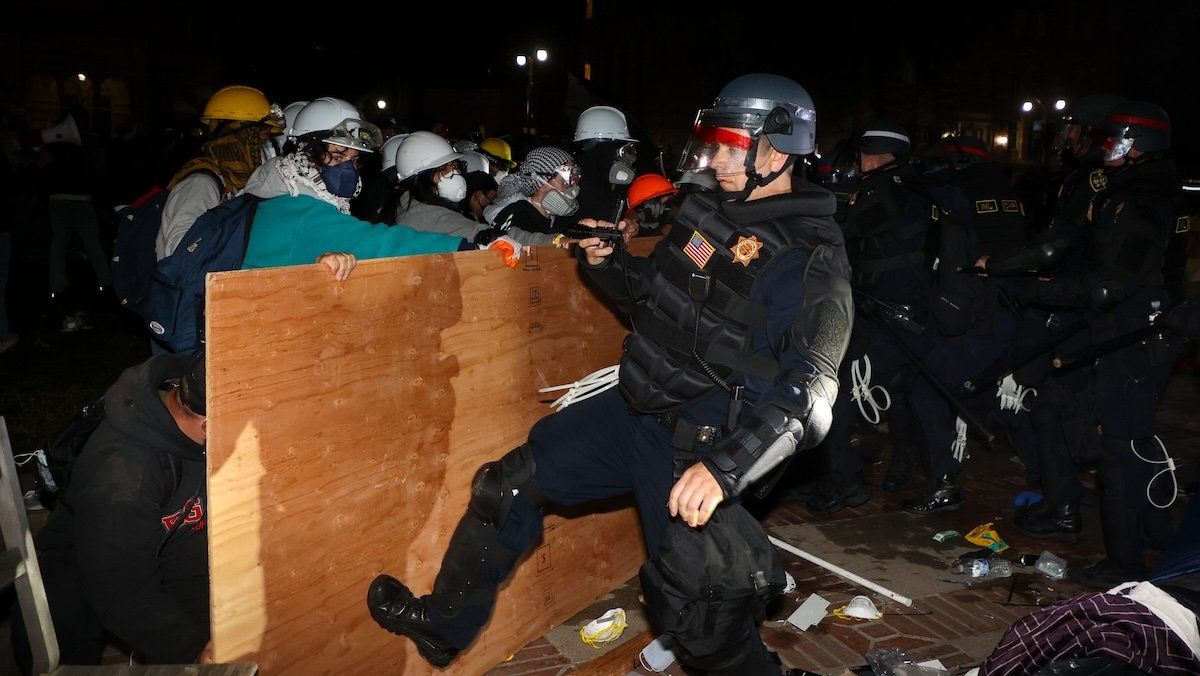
(433,176)
(306,212)
(606,153)
(290,111)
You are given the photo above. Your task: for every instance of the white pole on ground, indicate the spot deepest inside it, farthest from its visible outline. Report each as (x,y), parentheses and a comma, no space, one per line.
(838,570)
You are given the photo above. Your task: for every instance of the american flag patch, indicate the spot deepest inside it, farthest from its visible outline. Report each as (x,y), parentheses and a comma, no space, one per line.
(699,250)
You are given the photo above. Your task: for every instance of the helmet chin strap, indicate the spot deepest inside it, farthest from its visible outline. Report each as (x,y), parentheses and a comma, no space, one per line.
(753,178)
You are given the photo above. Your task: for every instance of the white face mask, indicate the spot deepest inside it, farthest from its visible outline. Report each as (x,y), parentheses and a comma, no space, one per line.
(500,174)
(452,187)
(269,151)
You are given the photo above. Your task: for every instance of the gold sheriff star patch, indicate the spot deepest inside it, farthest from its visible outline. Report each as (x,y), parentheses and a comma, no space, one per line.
(746,250)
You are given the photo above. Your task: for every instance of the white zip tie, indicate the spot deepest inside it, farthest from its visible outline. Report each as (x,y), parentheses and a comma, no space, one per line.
(863,392)
(589,386)
(1169,469)
(959,446)
(1012,396)
(27,457)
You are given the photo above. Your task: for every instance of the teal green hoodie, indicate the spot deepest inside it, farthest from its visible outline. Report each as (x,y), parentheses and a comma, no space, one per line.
(297,230)
(293,226)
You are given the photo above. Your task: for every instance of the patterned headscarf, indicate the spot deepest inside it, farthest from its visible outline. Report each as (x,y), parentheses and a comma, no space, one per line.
(232,156)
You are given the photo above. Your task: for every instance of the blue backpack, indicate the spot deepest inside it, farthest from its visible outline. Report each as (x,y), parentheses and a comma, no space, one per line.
(134,257)
(173,306)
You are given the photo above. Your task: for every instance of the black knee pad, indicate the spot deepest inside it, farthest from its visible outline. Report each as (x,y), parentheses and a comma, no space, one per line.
(496,483)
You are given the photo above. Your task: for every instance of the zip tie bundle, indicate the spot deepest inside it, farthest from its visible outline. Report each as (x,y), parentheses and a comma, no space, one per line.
(959,446)
(1012,396)
(863,393)
(1169,470)
(604,629)
(591,385)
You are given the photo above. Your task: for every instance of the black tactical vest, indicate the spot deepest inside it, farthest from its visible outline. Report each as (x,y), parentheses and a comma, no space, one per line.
(1135,222)
(692,330)
(886,228)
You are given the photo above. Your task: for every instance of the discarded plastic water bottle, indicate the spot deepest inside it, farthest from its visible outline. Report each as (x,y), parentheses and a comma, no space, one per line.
(993,567)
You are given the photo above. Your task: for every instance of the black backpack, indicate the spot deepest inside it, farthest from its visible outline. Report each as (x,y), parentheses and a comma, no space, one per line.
(57,458)
(707,583)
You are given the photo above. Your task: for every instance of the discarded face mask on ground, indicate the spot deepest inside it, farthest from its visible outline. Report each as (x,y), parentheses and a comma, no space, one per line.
(859,608)
(604,629)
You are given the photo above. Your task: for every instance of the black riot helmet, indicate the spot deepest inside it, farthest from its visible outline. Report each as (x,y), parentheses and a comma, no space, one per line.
(1136,125)
(883,137)
(763,106)
(1082,133)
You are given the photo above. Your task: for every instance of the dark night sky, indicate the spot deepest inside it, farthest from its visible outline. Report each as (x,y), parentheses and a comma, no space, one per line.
(847,55)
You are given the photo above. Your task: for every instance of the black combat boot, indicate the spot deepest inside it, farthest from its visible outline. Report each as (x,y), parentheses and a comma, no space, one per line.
(899,471)
(1063,523)
(1106,574)
(945,497)
(394,608)
(834,493)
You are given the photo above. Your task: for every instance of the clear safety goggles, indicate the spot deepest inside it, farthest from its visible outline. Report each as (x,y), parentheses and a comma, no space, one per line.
(275,119)
(570,174)
(353,133)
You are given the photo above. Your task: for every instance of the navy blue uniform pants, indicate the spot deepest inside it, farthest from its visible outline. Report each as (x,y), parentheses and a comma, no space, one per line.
(593,450)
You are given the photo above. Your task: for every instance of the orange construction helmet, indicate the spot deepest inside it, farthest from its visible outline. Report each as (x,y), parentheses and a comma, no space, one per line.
(648,186)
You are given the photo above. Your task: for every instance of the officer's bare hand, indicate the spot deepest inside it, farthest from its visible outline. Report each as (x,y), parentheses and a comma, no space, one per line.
(982,265)
(339,264)
(695,496)
(594,248)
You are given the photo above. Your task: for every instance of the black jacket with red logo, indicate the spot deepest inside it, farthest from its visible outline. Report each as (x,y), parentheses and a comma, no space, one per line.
(134,524)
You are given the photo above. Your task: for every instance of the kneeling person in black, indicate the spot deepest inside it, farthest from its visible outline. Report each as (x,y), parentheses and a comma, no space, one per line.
(126,550)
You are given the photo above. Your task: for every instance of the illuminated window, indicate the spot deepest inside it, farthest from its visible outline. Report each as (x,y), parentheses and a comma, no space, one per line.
(587,71)
(588,11)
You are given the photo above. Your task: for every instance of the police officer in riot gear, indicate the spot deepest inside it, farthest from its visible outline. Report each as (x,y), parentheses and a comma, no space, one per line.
(740,316)
(886,221)
(1121,287)
(1060,413)
(979,216)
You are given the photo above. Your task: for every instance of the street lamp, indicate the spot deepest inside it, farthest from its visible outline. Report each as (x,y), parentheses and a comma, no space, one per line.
(1027,106)
(381,104)
(522,62)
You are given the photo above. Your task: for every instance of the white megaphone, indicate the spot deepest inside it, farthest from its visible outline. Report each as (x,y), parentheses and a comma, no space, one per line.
(63,132)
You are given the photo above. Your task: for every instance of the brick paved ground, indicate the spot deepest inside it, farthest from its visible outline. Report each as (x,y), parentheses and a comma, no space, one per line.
(960,626)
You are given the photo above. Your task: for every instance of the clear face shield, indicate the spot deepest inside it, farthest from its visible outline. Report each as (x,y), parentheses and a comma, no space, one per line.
(717,146)
(1118,144)
(358,134)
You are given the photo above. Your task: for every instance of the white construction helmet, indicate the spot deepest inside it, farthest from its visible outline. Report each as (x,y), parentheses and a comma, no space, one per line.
(421,151)
(387,154)
(289,116)
(476,161)
(603,123)
(342,122)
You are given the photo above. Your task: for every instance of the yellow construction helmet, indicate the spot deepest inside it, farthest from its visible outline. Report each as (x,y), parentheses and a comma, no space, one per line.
(497,147)
(239,102)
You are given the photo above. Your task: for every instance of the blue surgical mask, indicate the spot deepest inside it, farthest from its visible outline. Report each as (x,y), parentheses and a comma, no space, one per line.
(341,179)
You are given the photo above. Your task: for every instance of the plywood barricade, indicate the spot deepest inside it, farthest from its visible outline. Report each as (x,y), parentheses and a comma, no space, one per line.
(345,423)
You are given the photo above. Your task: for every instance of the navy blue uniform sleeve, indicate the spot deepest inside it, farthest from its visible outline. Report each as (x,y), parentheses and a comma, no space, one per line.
(621,276)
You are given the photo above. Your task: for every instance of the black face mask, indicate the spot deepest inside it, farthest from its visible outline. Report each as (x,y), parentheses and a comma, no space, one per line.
(653,214)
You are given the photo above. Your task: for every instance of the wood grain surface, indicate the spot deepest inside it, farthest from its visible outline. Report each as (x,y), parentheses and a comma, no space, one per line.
(345,423)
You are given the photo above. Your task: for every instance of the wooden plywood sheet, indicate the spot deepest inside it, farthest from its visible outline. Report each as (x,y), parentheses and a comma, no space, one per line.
(345,423)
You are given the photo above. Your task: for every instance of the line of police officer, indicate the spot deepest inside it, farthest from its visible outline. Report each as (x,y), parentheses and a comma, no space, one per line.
(955,286)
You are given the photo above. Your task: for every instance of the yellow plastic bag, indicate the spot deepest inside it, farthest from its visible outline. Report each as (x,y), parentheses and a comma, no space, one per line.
(986,536)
